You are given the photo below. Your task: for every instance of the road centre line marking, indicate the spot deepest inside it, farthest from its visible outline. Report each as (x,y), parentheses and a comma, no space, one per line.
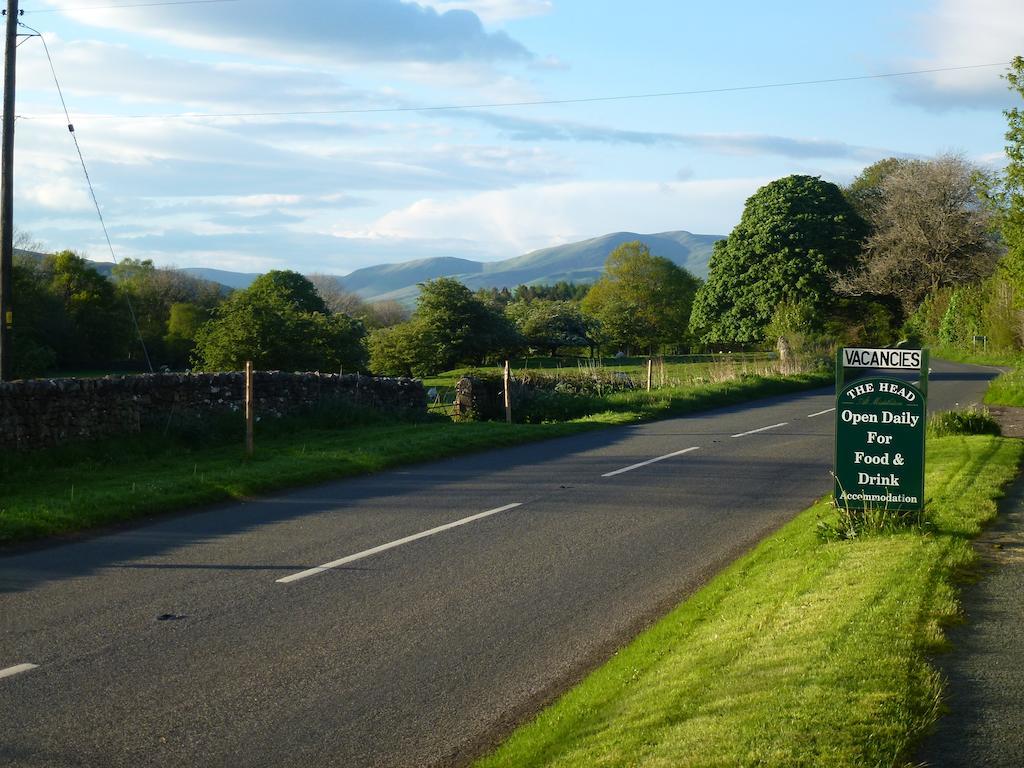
(762,429)
(820,413)
(649,461)
(393,544)
(19,668)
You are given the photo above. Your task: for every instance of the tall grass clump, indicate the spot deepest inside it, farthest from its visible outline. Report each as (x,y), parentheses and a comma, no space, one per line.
(970,421)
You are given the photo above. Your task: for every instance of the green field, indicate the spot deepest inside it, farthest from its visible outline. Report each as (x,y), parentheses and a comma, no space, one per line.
(672,372)
(676,368)
(802,653)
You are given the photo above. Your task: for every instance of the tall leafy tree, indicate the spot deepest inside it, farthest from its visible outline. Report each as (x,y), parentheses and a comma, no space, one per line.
(864,193)
(99,330)
(153,291)
(550,325)
(1006,194)
(929,230)
(279,322)
(292,287)
(793,235)
(641,301)
(450,327)
(40,321)
(183,324)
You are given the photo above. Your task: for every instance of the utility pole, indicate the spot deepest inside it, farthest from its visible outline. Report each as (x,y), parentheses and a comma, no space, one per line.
(7,192)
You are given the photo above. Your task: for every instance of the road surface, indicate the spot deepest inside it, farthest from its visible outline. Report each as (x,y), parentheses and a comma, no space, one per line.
(408,618)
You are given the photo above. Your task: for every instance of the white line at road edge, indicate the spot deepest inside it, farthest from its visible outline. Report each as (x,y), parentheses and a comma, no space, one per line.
(762,429)
(820,413)
(393,544)
(12,671)
(649,461)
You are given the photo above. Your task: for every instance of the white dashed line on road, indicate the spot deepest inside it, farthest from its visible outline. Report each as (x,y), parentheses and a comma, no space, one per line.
(649,461)
(16,670)
(393,544)
(820,413)
(762,429)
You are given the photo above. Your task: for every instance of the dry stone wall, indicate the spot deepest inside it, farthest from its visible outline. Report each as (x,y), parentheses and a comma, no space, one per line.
(44,412)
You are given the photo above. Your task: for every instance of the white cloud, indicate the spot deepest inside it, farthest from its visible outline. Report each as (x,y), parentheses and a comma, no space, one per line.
(329,30)
(964,33)
(494,11)
(91,69)
(56,194)
(509,222)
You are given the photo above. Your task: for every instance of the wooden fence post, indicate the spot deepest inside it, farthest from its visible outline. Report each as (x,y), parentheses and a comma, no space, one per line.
(250,410)
(650,372)
(508,393)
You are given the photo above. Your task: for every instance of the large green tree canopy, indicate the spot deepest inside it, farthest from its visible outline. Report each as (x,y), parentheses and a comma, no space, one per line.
(794,234)
(642,301)
(279,322)
(450,327)
(1008,194)
(548,324)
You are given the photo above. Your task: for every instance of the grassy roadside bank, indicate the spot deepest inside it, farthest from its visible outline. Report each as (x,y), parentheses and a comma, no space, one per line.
(802,653)
(1007,389)
(63,491)
(977,357)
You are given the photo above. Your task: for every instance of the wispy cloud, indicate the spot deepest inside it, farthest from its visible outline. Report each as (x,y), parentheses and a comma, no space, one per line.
(493,11)
(965,32)
(524,129)
(120,75)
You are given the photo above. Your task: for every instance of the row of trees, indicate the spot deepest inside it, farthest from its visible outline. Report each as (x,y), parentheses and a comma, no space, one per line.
(641,303)
(72,317)
(809,260)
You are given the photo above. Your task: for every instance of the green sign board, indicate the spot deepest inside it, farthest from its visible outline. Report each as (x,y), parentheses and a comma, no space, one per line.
(880,429)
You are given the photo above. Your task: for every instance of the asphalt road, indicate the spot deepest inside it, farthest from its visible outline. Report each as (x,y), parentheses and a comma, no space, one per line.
(177,643)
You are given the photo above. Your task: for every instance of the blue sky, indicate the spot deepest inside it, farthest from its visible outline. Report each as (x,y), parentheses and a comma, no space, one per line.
(351,187)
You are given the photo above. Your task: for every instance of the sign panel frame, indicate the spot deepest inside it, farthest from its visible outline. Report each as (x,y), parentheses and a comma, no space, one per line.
(881,421)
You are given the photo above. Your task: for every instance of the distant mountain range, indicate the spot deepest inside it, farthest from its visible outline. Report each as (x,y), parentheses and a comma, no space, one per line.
(581,262)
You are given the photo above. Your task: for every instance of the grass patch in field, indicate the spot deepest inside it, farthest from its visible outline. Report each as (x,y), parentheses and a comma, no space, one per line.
(669,371)
(802,653)
(1007,389)
(86,485)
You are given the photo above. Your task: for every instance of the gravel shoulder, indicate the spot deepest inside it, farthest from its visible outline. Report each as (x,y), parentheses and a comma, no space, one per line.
(985,697)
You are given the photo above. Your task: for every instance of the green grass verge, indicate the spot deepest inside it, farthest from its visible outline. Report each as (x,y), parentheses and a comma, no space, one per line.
(88,485)
(1007,389)
(802,653)
(977,357)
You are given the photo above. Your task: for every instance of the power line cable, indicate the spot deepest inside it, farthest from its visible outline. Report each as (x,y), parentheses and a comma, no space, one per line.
(542,102)
(129,5)
(92,190)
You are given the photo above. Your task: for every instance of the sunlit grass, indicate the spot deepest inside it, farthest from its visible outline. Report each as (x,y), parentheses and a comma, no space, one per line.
(1007,389)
